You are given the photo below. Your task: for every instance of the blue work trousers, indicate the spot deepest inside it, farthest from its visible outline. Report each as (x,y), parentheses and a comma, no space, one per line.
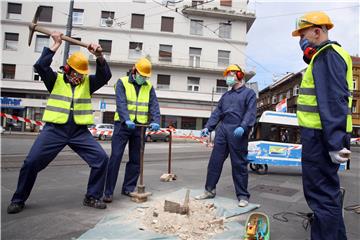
(122,135)
(321,187)
(49,143)
(225,142)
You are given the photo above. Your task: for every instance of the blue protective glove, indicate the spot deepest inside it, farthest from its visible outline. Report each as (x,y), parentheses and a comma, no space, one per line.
(154,126)
(130,124)
(238,132)
(205,132)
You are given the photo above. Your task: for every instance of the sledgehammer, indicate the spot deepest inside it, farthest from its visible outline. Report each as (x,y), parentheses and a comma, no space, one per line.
(33,27)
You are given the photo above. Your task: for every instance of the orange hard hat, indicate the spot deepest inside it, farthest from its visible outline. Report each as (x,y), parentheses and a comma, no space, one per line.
(79,62)
(312,19)
(143,66)
(232,67)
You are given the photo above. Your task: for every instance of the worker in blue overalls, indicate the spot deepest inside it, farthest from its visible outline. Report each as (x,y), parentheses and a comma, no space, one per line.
(67,114)
(324,115)
(135,101)
(234,117)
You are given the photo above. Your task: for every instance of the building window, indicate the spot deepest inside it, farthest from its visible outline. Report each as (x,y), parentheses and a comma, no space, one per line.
(74,48)
(41,42)
(78,17)
(196,27)
(188,123)
(223,58)
(104,16)
(8,71)
(167,121)
(36,77)
(167,24)
(135,49)
(195,3)
(353,109)
(106,46)
(225,30)
(137,21)
(193,84)
(14,11)
(163,81)
(227,3)
(355,81)
(11,41)
(165,53)
(296,90)
(273,99)
(221,86)
(288,94)
(45,14)
(194,57)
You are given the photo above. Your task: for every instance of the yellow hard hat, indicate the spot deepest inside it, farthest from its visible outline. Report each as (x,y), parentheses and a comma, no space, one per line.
(79,62)
(232,67)
(312,19)
(143,66)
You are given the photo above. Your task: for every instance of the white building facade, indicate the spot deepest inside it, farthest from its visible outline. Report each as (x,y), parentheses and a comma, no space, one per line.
(189,43)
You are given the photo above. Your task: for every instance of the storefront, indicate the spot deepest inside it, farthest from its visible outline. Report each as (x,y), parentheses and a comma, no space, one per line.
(12,106)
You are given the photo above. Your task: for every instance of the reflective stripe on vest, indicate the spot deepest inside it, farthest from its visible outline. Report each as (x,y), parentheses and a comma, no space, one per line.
(58,105)
(307,107)
(138,106)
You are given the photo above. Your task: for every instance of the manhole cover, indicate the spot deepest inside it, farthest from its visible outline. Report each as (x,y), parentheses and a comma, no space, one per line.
(275,190)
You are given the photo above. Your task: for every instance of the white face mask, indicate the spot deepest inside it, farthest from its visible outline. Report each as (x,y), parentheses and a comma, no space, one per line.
(230,80)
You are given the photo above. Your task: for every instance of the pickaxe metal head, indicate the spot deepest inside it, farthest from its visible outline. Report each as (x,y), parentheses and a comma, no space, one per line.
(33,24)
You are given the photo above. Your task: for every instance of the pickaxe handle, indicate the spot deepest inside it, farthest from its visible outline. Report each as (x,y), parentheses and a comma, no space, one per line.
(36,28)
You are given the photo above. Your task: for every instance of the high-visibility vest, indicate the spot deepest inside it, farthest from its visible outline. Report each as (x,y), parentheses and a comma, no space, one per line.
(307,106)
(59,103)
(138,106)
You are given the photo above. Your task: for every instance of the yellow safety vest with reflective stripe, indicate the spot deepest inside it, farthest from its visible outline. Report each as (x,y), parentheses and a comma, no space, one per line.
(138,106)
(59,103)
(307,107)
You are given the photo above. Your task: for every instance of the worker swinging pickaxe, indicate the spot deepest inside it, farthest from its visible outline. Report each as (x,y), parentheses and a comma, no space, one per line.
(33,27)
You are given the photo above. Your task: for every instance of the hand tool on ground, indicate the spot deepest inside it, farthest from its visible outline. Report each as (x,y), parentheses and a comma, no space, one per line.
(34,27)
(168,177)
(140,195)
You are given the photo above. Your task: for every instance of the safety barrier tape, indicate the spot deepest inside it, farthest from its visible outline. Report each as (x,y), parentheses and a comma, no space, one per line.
(353,140)
(16,118)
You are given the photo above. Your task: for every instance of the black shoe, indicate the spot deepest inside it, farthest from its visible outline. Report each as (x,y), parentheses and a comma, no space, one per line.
(126,193)
(95,203)
(108,199)
(15,208)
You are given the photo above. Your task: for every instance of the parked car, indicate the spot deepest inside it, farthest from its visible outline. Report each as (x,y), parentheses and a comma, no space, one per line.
(161,136)
(96,130)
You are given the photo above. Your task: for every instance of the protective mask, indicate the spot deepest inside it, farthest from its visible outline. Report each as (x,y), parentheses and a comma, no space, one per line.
(140,80)
(75,78)
(304,43)
(308,49)
(230,81)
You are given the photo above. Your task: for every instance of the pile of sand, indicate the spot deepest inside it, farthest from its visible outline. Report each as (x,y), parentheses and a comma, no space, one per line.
(200,223)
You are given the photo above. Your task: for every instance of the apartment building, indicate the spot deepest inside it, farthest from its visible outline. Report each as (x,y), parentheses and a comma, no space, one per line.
(190,43)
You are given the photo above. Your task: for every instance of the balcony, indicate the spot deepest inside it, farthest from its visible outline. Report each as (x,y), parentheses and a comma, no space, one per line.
(215,12)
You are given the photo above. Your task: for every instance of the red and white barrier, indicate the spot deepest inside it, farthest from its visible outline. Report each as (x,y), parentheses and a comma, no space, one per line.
(16,118)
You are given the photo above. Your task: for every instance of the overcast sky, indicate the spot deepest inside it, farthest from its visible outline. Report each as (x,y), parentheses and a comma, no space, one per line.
(272,51)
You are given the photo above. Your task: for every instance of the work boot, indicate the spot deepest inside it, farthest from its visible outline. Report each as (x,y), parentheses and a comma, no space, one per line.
(93,202)
(206,195)
(15,208)
(126,193)
(108,199)
(243,203)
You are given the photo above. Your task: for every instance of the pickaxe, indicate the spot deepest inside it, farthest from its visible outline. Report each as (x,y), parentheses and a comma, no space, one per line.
(33,27)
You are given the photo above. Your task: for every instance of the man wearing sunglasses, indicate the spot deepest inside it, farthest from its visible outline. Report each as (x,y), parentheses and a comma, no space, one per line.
(67,114)
(136,103)
(323,111)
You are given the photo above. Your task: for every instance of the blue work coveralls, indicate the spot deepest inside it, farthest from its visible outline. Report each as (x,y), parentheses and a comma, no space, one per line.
(54,137)
(319,174)
(236,108)
(122,135)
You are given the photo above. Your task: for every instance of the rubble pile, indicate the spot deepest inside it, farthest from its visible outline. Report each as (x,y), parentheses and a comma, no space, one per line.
(200,223)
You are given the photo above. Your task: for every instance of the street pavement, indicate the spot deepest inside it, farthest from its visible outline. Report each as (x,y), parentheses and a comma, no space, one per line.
(55,211)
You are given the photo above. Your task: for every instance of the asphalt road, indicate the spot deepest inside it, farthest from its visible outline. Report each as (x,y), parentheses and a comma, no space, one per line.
(54,209)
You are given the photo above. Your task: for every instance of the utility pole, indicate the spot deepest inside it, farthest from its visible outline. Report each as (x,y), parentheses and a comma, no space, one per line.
(68,31)
(211,109)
